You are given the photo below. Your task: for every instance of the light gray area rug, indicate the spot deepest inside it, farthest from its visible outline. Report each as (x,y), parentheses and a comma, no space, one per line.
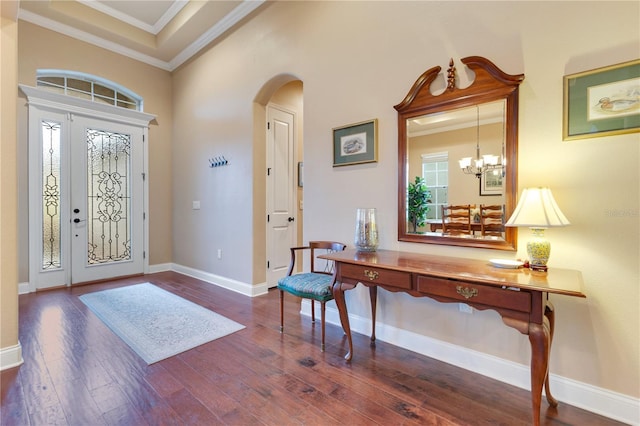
(155,323)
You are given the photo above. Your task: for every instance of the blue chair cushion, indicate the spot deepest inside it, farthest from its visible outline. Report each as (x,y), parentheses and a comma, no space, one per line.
(309,285)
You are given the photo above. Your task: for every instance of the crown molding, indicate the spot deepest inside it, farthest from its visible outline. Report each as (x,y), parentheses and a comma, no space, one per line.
(52,25)
(232,18)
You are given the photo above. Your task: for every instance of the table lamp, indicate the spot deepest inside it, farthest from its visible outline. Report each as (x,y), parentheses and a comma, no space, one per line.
(537,210)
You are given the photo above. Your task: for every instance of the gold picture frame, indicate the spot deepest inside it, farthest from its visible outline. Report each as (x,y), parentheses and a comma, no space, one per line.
(602,102)
(355,143)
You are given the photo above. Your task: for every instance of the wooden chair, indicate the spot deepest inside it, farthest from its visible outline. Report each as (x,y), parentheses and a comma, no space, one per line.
(315,284)
(492,220)
(456,219)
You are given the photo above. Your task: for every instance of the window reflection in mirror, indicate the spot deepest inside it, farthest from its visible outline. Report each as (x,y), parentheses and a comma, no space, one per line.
(435,144)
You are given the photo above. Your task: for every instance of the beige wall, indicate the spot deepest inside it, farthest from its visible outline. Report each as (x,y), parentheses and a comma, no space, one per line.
(358,59)
(41,48)
(8,177)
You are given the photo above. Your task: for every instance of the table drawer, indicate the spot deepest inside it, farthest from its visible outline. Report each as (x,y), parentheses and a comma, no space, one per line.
(368,274)
(468,292)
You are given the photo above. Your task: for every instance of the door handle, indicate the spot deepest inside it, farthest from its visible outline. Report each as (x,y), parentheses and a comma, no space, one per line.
(76,220)
(291,219)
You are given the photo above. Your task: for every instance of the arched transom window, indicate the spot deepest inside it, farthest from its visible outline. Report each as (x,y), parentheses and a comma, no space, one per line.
(89,87)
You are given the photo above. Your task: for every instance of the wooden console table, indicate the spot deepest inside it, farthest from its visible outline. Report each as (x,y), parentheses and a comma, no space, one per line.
(520,296)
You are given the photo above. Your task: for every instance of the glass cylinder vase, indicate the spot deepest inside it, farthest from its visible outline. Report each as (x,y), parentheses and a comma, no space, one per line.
(366,238)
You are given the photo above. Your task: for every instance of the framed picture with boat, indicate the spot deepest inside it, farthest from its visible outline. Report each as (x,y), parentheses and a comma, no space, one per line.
(602,102)
(355,143)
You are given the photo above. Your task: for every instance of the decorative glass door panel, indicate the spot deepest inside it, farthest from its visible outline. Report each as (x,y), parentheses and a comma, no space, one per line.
(108,197)
(51,195)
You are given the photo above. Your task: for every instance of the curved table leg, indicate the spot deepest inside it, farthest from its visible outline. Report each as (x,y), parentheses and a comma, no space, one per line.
(373,296)
(338,295)
(551,316)
(539,339)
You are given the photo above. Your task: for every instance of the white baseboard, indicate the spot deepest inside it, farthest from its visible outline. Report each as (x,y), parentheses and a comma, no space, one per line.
(160,267)
(601,401)
(24,288)
(11,357)
(237,286)
(229,284)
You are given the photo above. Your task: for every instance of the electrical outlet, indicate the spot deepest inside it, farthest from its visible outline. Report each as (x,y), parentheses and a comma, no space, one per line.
(219,253)
(465,308)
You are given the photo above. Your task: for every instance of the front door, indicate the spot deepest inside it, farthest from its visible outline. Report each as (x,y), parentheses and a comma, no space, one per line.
(281,194)
(106,200)
(86,198)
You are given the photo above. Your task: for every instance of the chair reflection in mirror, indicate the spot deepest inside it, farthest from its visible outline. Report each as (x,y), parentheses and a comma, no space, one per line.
(492,220)
(456,220)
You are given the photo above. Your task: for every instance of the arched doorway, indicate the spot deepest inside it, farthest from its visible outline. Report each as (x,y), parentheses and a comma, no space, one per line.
(279,153)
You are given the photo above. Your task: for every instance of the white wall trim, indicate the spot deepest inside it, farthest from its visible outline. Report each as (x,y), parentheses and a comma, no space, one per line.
(11,357)
(227,22)
(233,17)
(160,267)
(70,31)
(68,104)
(25,288)
(587,397)
(237,286)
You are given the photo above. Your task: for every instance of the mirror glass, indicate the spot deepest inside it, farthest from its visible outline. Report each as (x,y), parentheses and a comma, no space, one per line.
(435,145)
(437,133)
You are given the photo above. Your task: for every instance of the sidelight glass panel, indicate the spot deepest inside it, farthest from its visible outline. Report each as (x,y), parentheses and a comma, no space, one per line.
(51,257)
(108,197)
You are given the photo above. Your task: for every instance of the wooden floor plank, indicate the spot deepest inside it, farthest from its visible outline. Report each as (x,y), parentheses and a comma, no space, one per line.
(77,371)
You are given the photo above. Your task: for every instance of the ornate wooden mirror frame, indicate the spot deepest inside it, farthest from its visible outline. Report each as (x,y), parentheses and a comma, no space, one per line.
(490,85)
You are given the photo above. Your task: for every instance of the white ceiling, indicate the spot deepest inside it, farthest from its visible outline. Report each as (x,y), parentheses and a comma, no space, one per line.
(149,15)
(162,33)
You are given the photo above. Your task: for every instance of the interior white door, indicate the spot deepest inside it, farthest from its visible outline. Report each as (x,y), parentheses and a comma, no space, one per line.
(281,195)
(106,200)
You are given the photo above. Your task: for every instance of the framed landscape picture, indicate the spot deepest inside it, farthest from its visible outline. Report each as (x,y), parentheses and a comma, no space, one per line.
(355,143)
(602,102)
(490,183)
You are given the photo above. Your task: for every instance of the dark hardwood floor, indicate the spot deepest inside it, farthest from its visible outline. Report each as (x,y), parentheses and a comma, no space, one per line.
(78,372)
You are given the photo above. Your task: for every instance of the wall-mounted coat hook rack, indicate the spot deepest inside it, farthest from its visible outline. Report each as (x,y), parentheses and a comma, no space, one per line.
(218,161)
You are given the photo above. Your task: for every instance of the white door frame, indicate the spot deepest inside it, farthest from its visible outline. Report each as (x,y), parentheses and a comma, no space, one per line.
(45,102)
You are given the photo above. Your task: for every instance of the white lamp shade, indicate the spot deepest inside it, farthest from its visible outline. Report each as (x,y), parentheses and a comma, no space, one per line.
(465,162)
(537,209)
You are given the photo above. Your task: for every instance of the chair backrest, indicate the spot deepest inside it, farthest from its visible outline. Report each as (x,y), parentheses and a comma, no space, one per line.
(315,249)
(492,220)
(322,247)
(456,219)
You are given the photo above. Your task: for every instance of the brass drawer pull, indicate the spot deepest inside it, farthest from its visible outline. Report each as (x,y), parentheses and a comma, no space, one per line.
(466,292)
(372,275)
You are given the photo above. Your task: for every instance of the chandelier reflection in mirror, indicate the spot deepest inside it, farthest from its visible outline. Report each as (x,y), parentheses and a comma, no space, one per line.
(487,163)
